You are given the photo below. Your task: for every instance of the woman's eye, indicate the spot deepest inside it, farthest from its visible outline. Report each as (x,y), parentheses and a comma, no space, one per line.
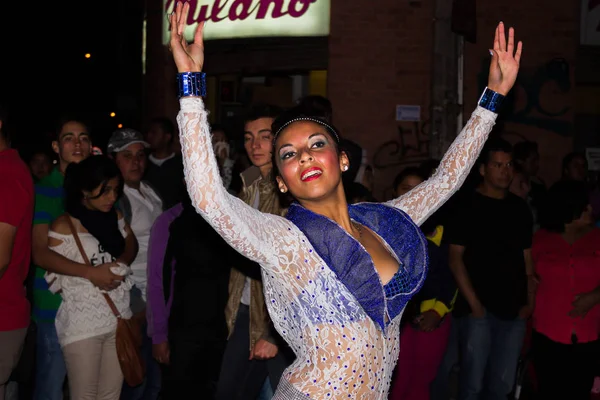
(287,155)
(318,144)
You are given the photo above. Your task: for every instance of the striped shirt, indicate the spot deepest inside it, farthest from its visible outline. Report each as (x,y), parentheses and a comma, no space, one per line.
(49,205)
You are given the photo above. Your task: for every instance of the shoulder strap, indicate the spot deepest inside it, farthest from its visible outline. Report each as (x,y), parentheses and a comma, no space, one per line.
(111,304)
(124,205)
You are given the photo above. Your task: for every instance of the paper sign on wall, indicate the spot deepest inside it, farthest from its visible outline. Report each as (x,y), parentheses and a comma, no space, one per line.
(593,158)
(408,113)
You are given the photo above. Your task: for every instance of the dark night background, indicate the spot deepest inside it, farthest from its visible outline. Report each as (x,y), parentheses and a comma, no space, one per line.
(44,72)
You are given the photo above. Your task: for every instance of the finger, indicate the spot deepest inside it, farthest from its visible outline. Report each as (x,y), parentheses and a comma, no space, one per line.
(173,22)
(502,36)
(199,34)
(518,60)
(182,21)
(497,39)
(178,8)
(511,41)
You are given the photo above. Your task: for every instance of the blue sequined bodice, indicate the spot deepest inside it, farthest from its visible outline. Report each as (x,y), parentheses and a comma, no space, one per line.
(398,284)
(354,267)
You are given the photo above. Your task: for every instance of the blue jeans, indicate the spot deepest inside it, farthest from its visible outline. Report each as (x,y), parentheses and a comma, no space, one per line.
(50,365)
(266,393)
(489,355)
(150,388)
(440,387)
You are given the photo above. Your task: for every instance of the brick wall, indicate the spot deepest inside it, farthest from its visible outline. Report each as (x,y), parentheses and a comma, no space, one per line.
(545,95)
(379,56)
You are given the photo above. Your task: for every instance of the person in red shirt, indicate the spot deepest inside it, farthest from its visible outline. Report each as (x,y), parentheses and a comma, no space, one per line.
(16,214)
(566,319)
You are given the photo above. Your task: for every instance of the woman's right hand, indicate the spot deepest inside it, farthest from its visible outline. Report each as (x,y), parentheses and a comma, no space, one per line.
(102,276)
(188,57)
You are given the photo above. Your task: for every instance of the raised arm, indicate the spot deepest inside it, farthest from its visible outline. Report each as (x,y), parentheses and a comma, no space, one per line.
(425,199)
(454,168)
(249,231)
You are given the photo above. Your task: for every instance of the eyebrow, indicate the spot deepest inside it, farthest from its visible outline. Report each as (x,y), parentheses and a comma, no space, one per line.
(73,134)
(310,137)
(261,131)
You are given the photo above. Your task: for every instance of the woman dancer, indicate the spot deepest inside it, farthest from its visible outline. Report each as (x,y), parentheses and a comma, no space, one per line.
(336,278)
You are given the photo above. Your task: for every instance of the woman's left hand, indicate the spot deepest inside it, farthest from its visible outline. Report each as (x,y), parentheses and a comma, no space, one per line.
(505,61)
(429,321)
(584,302)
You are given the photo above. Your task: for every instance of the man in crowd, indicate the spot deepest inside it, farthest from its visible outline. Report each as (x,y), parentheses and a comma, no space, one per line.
(164,171)
(490,256)
(253,351)
(16,214)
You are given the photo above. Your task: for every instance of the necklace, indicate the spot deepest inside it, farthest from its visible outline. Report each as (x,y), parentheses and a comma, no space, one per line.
(358,227)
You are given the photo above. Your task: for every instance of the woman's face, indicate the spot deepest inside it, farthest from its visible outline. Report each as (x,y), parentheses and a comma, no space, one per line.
(102,202)
(407,184)
(308,162)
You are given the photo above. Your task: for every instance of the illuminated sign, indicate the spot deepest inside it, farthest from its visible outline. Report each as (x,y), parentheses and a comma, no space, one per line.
(228,19)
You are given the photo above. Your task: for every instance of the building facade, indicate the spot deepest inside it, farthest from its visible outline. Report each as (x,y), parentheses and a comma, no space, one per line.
(378,56)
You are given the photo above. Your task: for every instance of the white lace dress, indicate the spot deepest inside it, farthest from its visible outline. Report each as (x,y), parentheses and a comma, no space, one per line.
(84,312)
(341,352)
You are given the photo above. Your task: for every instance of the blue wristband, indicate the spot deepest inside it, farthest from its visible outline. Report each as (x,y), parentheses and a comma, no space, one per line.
(191,84)
(491,100)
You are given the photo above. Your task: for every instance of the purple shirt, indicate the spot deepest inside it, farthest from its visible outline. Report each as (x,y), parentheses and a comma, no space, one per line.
(157,312)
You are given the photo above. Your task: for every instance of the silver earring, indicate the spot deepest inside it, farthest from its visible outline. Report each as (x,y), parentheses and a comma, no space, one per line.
(345,167)
(282,190)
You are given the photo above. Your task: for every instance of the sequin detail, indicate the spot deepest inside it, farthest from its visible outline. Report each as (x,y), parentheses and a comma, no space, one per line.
(400,283)
(353,266)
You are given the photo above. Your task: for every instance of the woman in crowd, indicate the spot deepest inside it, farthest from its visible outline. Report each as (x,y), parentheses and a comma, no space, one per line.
(426,321)
(85,323)
(566,319)
(336,278)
